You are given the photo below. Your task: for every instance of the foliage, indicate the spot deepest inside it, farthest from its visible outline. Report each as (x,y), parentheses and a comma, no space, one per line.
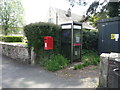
(92,8)
(15,30)
(11,15)
(97,16)
(103,8)
(72,3)
(89,57)
(11,38)
(79,66)
(56,62)
(110,9)
(35,33)
(90,40)
(113,9)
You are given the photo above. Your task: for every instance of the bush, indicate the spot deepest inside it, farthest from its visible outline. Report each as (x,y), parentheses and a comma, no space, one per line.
(35,33)
(56,62)
(11,38)
(90,40)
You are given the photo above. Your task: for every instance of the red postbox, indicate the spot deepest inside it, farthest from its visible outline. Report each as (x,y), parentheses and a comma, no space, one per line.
(48,43)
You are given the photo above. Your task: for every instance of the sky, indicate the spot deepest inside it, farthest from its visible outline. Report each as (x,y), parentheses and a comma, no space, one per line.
(36,10)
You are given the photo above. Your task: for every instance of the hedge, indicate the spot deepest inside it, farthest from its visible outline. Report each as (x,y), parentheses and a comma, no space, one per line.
(35,33)
(90,40)
(11,38)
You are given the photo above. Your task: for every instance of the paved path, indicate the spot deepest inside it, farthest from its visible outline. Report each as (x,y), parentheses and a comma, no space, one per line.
(17,75)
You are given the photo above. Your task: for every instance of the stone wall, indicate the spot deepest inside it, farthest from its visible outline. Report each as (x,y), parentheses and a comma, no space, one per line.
(103,70)
(15,51)
(106,68)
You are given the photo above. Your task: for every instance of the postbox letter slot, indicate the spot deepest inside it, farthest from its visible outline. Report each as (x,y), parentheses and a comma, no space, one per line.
(45,44)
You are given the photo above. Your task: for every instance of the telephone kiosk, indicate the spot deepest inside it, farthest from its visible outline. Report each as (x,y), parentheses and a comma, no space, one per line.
(71,40)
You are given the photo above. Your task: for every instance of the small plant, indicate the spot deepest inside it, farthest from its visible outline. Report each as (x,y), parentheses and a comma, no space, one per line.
(86,63)
(56,62)
(89,57)
(79,66)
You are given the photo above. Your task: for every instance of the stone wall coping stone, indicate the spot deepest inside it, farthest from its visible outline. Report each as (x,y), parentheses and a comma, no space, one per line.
(114,55)
(111,55)
(105,55)
(13,44)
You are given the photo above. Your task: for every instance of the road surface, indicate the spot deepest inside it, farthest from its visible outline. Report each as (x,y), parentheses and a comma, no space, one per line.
(18,75)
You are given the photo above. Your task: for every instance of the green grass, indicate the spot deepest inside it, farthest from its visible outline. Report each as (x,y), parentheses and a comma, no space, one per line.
(89,57)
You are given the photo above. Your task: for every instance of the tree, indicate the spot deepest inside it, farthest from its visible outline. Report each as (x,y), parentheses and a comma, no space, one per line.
(11,15)
(97,16)
(113,9)
(76,2)
(110,8)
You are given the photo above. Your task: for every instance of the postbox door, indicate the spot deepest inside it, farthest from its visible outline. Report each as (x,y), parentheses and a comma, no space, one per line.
(48,43)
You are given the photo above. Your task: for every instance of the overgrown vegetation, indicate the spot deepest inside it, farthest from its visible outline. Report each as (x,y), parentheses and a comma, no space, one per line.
(35,33)
(90,40)
(106,9)
(55,62)
(89,57)
(11,38)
